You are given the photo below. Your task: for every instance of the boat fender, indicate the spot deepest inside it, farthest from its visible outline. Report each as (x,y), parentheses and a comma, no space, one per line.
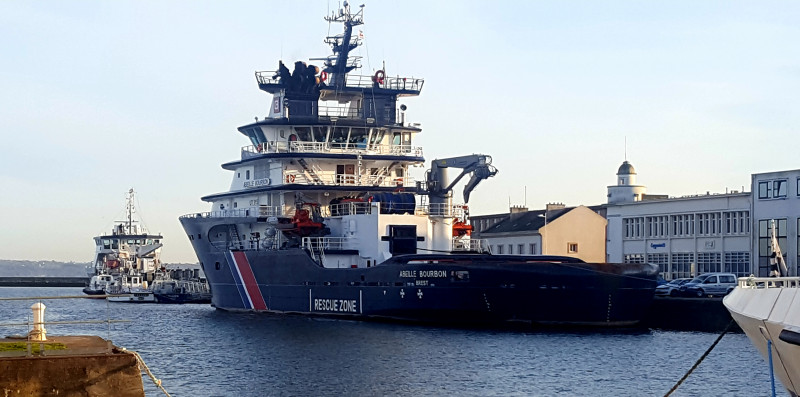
(379,76)
(323,76)
(290,178)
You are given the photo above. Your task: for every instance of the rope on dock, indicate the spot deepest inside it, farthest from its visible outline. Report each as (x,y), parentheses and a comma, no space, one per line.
(703,357)
(146,369)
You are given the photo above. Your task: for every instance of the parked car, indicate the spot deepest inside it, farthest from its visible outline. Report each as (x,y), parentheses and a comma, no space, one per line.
(672,288)
(710,284)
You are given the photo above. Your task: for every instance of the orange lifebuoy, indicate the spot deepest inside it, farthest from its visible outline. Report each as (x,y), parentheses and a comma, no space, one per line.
(323,76)
(379,76)
(289,178)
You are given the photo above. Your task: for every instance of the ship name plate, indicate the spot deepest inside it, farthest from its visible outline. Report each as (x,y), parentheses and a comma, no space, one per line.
(423,273)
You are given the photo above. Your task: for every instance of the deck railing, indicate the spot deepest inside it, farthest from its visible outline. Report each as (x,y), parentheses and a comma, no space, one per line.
(455,211)
(470,245)
(261,211)
(769,282)
(333,178)
(329,147)
(360,81)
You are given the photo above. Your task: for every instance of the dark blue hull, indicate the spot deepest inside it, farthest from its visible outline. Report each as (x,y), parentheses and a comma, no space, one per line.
(457,289)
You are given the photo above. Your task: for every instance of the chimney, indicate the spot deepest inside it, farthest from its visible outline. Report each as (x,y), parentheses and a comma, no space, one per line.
(516,210)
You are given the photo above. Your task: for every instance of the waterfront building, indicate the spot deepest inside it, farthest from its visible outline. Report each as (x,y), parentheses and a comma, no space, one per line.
(776,196)
(557,230)
(684,236)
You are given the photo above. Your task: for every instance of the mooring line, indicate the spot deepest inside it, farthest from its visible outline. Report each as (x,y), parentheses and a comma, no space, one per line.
(144,366)
(700,360)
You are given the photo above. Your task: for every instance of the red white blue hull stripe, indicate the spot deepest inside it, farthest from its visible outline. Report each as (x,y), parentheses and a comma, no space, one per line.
(245,281)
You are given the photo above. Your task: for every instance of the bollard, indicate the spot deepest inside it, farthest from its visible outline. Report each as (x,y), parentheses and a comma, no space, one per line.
(38,332)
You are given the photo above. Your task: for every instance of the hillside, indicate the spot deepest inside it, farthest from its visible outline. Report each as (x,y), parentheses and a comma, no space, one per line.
(22,268)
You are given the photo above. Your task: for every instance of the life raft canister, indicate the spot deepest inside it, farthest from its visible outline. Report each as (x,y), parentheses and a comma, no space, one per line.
(379,77)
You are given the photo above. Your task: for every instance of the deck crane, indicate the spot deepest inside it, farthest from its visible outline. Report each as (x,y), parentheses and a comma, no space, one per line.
(439,189)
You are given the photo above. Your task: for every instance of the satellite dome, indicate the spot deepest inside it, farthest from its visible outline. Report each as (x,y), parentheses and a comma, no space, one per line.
(626,169)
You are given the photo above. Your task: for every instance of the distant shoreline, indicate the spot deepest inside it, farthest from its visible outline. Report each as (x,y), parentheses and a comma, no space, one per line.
(43,281)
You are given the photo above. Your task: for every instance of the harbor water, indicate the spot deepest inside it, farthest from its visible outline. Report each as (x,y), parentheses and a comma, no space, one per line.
(199,351)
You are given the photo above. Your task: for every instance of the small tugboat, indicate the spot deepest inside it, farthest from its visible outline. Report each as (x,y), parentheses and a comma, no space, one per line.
(182,291)
(766,308)
(129,255)
(324,218)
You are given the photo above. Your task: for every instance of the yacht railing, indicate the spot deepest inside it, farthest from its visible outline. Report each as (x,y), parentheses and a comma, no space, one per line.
(329,147)
(769,282)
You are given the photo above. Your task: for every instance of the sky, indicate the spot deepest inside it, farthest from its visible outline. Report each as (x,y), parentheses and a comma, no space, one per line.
(97,97)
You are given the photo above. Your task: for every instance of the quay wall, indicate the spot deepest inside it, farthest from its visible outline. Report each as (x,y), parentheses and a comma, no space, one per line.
(94,375)
(43,281)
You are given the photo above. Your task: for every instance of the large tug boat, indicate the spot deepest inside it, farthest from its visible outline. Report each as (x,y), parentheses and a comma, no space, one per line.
(128,257)
(323,217)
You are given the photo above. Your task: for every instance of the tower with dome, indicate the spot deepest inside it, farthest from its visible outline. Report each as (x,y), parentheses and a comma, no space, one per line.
(626,190)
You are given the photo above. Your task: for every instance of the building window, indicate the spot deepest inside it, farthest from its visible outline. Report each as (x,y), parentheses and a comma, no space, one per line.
(532,248)
(708,262)
(779,188)
(773,189)
(682,264)
(657,226)
(662,261)
(247,174)
(510,249)
(682,225)
(798,187)
(572,248)
(633,227)
(520,249)
(736,222)
(500,249)
(764,190)
(633,258)
(738,263)
(764,240)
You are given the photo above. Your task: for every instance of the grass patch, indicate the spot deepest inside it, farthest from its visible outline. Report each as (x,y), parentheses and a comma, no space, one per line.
(35,346)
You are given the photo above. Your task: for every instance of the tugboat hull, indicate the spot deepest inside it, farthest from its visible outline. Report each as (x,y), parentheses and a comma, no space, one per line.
(459,288)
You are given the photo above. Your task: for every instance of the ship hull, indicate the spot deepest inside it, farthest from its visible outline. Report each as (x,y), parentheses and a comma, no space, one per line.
(766,310)
(454,289)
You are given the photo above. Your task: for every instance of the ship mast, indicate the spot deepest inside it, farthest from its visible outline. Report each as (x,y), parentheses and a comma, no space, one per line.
(129,211)
(342,44)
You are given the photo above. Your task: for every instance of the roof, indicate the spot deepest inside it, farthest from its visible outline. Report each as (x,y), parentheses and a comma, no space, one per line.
(530,221)
(626,169)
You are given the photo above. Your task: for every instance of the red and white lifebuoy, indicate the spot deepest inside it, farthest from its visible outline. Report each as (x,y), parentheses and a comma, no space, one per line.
(379,77)
(289,178)
(259,148)
(323,76)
